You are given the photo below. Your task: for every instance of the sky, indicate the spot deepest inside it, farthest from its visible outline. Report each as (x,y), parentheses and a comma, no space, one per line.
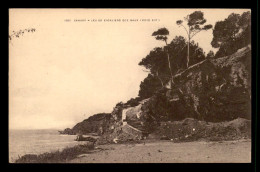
(66,71)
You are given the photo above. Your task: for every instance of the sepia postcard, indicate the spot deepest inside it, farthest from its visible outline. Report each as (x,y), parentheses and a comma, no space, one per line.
(129,85)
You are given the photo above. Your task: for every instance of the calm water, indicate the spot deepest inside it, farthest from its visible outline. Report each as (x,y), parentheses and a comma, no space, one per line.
(23,142)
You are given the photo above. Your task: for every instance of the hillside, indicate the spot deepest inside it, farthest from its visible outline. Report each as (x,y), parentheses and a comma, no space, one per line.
(94,124)
(213,93)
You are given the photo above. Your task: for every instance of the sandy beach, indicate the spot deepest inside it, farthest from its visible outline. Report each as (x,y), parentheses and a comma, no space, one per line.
(170,152)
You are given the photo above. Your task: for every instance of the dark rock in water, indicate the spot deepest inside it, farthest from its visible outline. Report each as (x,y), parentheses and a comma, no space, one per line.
(67,131)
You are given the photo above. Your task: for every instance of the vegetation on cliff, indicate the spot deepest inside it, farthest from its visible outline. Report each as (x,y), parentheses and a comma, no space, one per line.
(156,64)
(211,89)
(94,124)
(187,95)
(232,34)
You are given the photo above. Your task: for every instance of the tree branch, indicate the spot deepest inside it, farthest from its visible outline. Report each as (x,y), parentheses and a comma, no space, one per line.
(194,34)
(185,29)
(182,48)
(157,73)
(166,42)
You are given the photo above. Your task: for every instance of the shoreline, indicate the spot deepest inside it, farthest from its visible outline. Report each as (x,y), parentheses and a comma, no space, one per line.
(236,151)
(158,151)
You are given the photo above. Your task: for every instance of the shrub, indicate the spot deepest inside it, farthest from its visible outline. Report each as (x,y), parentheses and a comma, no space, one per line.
(57,156)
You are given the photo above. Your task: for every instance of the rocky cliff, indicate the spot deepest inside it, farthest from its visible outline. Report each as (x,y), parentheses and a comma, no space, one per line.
(217,90)
(214,90)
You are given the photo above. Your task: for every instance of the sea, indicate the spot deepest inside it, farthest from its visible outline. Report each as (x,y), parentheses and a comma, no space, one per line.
(23,142)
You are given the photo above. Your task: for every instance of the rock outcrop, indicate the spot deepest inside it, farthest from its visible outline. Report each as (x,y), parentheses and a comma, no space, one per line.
(214,90)
(67,131)
(217,90)
(97,123)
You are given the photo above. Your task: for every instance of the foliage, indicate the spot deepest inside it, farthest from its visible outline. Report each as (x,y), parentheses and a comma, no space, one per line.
(232,34)
(161,34)
(149,86)
(156,63)
(156,60)
(94,124)
(161,70)
(210,55)
(159,108)
(20,33)
(120,104)
(178,48)
(195,24)
(133,101)
(58,156)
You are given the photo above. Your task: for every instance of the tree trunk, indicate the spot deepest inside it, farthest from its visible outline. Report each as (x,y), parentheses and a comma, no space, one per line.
(169,63)
(161,81)
(188,53)
(159,78)
(170,67)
